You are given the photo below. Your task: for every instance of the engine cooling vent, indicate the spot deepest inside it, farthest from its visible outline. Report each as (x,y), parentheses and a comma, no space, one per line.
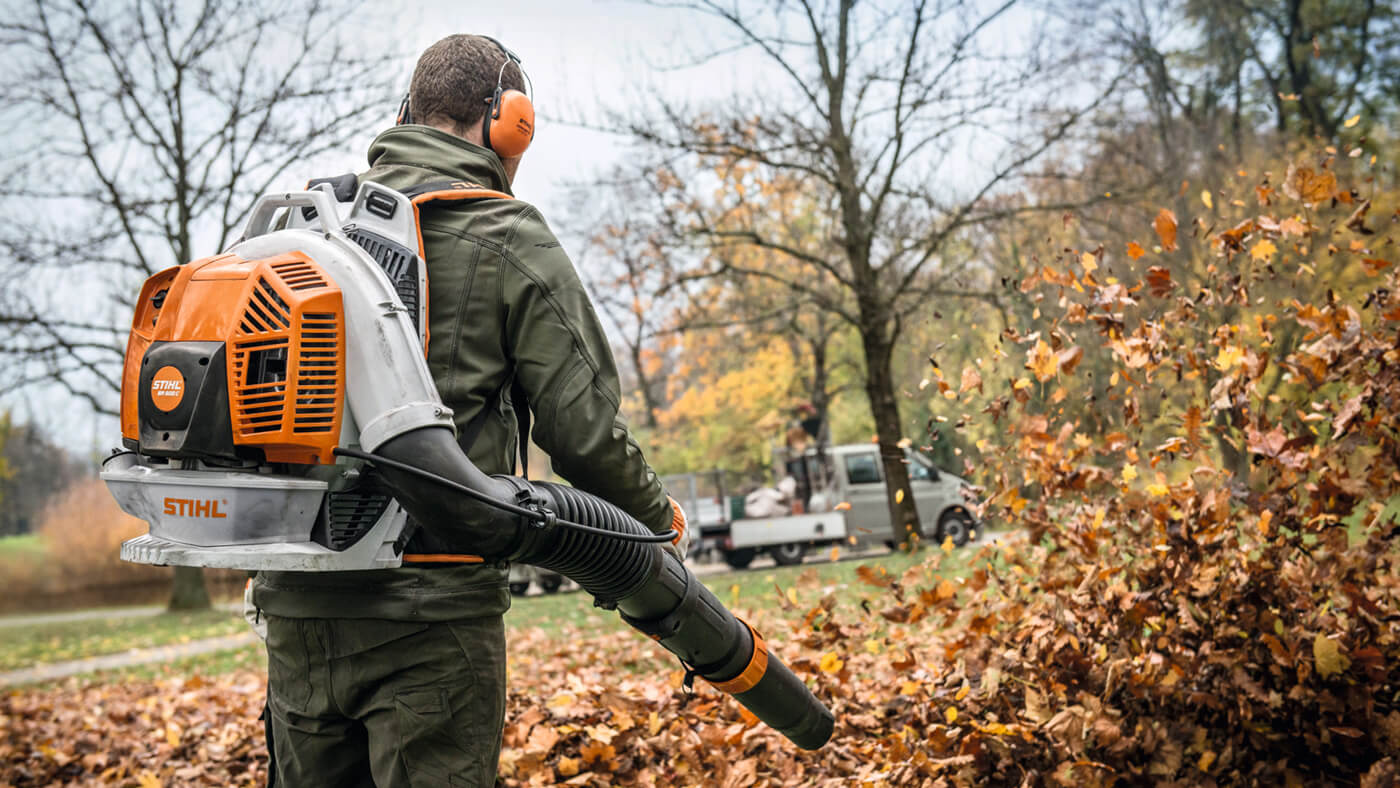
(399,262)
(287,361)
(317,373)
(259,398)
(299,274)
(266,312)
(350,514)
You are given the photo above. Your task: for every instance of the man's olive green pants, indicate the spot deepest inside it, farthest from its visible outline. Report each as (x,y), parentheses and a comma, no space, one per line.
(366,702)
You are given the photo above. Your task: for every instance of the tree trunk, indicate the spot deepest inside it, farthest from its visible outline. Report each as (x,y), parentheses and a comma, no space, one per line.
(879,386)
(645,386)
(188,591)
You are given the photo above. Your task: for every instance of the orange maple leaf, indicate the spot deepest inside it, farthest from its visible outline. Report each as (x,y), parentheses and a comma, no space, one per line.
(1165,225)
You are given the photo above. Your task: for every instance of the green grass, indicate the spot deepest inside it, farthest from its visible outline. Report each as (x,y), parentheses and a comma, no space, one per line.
(1390,510)
(750,590)
(753,589)
(25,645)
(250,657)
(22,547)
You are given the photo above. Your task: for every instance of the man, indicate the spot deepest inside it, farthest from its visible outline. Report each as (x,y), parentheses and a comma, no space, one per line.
(397,677)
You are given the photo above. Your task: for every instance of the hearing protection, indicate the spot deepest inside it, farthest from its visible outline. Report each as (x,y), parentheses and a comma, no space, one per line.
(509,123)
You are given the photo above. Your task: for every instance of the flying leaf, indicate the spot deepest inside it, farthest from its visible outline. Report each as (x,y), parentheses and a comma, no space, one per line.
(1308,185)
(1159,281)
(1229,357)
(1264,250)
(1206,198)
(1069,358)
(971,379)
(945,590)
(1328,657)
(1042,361)
(871,577)
(1375,265)
(1135,251)
(1165,225)
(1351,121)
(831,663)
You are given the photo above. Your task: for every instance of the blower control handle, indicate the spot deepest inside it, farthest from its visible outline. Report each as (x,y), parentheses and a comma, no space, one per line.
(265,211)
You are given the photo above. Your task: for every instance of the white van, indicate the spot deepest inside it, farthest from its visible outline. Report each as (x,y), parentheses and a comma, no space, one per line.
(846,504)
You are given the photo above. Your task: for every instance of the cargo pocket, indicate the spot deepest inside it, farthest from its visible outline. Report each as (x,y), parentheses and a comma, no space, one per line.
(433,740)
(288,668)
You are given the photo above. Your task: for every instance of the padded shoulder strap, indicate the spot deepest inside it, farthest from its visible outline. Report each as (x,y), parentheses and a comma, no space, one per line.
(446,191)
(452,190)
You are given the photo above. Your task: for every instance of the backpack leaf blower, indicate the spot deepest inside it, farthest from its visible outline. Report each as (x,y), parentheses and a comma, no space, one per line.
(278,414)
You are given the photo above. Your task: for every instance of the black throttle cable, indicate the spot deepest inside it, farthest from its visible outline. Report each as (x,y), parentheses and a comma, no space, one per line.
(662,538)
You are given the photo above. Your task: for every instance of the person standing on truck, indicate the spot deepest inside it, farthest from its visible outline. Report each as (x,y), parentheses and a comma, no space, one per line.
(804,428)
(397,677)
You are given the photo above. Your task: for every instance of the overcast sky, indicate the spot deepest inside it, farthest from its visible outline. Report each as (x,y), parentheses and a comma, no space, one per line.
(582,56)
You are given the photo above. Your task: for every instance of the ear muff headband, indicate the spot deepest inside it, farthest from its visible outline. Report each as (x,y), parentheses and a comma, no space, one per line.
(509,123)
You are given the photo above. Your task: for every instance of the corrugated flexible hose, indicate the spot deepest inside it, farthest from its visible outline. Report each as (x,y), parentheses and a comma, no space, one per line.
(654,592)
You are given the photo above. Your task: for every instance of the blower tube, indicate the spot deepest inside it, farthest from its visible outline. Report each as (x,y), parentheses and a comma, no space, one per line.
(654,592)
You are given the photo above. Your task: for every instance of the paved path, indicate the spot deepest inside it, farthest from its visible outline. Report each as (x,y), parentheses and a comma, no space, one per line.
(126,659)
(31,619)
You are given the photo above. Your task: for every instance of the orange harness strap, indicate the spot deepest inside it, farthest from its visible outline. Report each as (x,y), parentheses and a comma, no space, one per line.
(446,192)
(441,558)
(455,191)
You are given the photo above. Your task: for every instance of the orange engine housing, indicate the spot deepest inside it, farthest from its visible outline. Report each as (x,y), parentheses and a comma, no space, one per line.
(284,305)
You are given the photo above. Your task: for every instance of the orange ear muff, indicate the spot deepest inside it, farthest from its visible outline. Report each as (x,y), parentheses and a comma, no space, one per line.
(512,124)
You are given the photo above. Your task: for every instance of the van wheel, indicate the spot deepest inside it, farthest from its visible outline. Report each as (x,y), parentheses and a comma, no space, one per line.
(551,583)
(955,525)
(519,589)
(788,554)
(740,558)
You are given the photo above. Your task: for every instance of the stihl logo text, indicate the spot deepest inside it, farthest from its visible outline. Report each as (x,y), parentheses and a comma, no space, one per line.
(167,388)
(194,507)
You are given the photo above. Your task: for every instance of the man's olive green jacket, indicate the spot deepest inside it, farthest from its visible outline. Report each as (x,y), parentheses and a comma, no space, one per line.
(503,299)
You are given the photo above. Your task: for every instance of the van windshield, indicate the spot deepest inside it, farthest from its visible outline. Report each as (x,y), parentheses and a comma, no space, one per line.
(920,468)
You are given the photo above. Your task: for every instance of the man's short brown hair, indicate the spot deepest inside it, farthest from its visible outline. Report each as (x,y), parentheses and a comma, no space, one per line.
(455,79)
